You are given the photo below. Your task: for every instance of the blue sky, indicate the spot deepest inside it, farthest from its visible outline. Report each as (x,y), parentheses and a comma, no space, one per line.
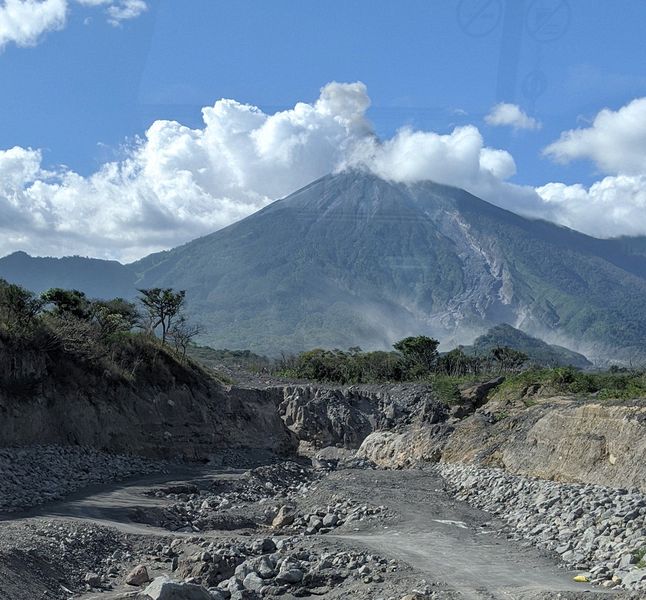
(81,94)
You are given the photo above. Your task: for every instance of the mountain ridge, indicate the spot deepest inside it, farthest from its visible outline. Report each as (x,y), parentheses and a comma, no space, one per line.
(353,259)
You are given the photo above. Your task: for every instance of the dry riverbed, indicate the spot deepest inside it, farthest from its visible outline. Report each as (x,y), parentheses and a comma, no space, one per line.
(280,530)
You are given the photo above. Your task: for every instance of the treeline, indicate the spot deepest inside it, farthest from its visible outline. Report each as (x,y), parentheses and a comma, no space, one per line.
(412,358)
(93,329)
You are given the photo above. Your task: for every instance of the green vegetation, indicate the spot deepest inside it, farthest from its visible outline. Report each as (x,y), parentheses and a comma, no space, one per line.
(112,335)
(616,383)
(417,359)
(640,558)
(414,358)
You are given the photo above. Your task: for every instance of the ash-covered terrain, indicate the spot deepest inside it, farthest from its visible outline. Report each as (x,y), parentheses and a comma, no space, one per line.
(375,491)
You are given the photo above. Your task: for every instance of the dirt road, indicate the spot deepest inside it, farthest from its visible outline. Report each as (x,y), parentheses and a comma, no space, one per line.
(451,541)
(444,541)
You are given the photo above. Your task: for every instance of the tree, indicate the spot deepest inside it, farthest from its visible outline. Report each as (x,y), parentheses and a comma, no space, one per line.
(18,307)
(182,333)
(163,307)
(67,303)
(114,316)
(456,363)
(509,359)
(419,353)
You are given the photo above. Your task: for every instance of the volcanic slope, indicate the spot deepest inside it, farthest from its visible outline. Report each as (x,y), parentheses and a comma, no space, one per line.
(353,259)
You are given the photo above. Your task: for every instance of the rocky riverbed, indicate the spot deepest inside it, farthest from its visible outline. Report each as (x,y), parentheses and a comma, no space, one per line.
(34,475)
(598,530)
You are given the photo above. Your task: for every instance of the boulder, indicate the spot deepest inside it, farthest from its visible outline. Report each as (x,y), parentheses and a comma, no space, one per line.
(284,518)
(138,576)
(163,588)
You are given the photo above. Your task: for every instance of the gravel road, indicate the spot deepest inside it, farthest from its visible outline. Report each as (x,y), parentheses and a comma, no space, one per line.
(460,551)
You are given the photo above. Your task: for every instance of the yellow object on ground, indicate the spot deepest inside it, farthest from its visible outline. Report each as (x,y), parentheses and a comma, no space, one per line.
(581,579)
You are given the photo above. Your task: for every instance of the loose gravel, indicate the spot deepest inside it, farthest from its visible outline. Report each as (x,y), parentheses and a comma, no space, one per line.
(38,474)
(598,530)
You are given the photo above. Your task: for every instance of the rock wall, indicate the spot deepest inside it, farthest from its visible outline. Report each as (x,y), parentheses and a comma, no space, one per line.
(563,440)
(327,416)
(168,409)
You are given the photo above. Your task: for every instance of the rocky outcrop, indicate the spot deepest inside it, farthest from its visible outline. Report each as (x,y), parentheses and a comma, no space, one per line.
(561,439)
(346,416)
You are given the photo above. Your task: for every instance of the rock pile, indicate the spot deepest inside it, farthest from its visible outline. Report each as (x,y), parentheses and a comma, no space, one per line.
(226,504)
(271,567)
(85,556)
(325,519)
(264,496)
(39,474)
(595,529)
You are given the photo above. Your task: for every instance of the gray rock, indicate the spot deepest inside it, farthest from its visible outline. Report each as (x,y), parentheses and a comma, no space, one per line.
(163,588)
(253,582)
(290,575)
(138,576)
(634,577)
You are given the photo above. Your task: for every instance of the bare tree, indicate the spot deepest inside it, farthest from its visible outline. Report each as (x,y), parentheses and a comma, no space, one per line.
(182,333)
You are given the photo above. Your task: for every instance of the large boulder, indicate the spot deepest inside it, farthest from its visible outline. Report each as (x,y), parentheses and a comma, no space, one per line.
(163,588)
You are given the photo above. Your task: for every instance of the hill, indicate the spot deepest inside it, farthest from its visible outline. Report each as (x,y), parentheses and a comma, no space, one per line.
(538,351)
(97,278)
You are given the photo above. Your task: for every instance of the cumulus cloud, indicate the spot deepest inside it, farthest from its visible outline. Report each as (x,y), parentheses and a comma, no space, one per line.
(177,183)
(615,142)
(511,115)
(458,158)
(614,206)
(24,22)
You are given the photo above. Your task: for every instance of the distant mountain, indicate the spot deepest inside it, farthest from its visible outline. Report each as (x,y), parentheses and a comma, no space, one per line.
(538,351)
(97,278)
(352,259)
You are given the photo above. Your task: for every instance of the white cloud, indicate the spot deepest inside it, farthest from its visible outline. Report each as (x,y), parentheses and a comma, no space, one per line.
(614,206)
(511,115)
(23,22)
(457,158)
(176,183)
(616,141)
(119,10)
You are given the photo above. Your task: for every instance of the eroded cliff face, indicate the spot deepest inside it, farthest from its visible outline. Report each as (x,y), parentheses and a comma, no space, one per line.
(590,443)
(344,416)
(171,409)
(168,409)
(560,439)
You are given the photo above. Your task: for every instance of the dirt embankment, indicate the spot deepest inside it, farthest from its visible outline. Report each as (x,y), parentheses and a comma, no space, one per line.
(167,409)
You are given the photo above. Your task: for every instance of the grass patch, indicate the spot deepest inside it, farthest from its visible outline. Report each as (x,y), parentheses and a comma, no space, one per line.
(640,557)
